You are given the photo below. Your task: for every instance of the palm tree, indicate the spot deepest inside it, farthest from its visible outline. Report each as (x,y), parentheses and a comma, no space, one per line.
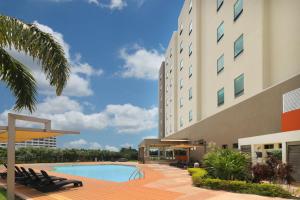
(42,47)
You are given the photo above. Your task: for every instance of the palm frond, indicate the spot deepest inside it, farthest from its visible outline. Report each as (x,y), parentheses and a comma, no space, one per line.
(19,80)
(38,44)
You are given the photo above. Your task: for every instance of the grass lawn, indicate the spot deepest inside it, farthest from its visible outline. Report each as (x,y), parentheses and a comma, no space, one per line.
(2,194)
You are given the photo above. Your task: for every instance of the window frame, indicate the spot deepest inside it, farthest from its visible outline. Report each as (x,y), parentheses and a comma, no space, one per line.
(236,16)
(234,46)
(220,103)
(181,84)
(181,65)
(239,93)
(181,47)
(219,5)
(220,70)
(190,115)
(220,25)
(190,71)
(191,27)
(190,49)
(190,93)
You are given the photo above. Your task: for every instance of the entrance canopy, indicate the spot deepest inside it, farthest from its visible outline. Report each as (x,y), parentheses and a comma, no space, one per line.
(12,134)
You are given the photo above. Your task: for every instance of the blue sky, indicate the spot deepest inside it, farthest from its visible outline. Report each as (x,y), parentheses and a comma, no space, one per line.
(115,48)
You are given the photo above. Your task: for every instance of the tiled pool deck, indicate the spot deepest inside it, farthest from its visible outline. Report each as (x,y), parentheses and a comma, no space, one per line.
(161,182)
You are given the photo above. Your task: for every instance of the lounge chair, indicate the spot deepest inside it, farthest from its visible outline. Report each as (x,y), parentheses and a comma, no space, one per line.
(50,185)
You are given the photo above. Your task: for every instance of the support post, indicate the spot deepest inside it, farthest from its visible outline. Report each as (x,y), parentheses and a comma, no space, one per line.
(284,152)
(11,157)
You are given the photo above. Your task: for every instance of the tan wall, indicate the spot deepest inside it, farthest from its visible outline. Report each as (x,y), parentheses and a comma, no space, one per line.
(258,115)
(249,62)
(282,41)
(188,38)
(171,86)
(161,96)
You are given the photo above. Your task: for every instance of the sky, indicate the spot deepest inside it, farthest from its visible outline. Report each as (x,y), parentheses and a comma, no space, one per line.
(115,48)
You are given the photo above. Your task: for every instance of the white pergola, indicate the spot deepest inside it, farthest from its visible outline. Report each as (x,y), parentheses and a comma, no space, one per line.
(282,138)
(12,134)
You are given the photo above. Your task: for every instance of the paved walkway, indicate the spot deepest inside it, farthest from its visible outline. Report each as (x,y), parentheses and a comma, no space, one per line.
(161,182)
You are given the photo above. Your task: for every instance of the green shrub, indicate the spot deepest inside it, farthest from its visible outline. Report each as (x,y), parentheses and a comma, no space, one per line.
(197,174)
(227,164)
(243,187)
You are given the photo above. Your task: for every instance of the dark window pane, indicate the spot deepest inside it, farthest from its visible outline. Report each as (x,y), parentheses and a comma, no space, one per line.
(239,85)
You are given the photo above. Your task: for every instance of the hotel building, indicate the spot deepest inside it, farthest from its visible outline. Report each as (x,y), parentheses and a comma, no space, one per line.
(46,142)
(227,68)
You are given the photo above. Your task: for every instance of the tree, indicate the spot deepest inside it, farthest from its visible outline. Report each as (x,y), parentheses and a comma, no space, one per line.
(29,39)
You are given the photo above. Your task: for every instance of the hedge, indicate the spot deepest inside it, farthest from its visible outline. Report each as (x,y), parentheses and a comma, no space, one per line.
(242,187)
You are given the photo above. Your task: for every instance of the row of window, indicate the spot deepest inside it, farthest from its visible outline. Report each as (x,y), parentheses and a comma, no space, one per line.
(237,8)
(238,49)
(190,118)
(238,90)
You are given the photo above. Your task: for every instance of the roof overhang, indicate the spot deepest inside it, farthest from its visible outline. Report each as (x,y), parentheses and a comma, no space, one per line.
(291,136)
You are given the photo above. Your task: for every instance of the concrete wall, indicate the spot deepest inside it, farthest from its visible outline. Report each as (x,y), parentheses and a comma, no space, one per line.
(161,100)
(258,115)
(171,86)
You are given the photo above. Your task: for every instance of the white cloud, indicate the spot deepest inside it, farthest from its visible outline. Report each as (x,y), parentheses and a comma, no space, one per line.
(77,144)
(78,83)
(82,144)
(67,114)
(150,137)
(96,2)
(117,4)
(141,63)
(111,148)
(126,145)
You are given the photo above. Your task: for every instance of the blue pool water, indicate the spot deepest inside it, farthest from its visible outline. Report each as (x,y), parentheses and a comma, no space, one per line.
(116,173)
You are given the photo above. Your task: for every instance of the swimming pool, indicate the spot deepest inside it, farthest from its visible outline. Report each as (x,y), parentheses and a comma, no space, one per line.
(116,173)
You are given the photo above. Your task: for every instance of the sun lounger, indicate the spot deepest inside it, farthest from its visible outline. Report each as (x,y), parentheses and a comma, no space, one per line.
(51,185)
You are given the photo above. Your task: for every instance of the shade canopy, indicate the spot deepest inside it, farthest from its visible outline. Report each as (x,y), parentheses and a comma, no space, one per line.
(183,146)
(25,135)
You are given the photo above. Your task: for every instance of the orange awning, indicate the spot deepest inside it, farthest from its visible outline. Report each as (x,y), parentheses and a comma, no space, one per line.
(22,135)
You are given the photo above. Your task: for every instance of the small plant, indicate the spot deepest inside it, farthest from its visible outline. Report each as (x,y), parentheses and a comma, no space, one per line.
(227,164)
(261,172)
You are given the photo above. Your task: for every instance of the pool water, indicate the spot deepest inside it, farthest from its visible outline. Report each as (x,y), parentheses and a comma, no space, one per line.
(116,173)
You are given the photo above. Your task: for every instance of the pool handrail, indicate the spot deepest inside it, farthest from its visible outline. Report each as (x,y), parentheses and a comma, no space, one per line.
(136,172)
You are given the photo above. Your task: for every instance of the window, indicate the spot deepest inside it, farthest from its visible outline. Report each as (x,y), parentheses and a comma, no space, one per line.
(181,29)
(181,65)
(190,116)
(171,68)
(181,102)
(190,71)
(220,31)
(238,46)
(190,49)
(181,47)
(224,146)
(181,83)
(191,27)
(219,4)
(191,6)
(171,53)
(235,145)
(181,122)
(190,93)
(221,97)
(220,64)
(238,9)
(239,86)
(269,146)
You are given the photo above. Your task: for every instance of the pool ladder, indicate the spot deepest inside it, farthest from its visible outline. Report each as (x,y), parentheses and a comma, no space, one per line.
(137,172)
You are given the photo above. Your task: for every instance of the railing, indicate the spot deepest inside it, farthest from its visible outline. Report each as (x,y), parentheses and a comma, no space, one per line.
(137,173)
